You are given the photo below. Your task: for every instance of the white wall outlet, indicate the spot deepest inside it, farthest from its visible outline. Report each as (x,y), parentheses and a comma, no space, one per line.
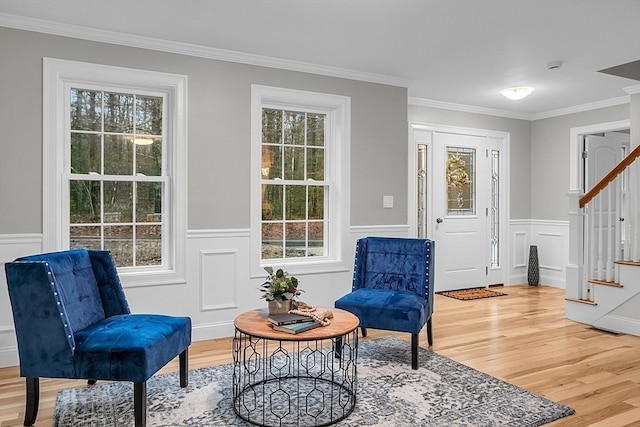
(387,201)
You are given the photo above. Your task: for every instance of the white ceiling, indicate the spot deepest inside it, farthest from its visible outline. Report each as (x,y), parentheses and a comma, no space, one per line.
(451,51)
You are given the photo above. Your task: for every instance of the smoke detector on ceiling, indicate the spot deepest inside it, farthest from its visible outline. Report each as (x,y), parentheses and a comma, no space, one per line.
(554,65)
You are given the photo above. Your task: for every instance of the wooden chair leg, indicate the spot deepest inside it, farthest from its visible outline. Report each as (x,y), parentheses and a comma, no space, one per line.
(364,331)
(92,382)
(414,351)
(33,397)
(184,368)
(429,333)
(140,404)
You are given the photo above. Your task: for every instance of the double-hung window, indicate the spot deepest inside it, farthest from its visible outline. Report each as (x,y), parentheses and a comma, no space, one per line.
(300,152)
(114,146)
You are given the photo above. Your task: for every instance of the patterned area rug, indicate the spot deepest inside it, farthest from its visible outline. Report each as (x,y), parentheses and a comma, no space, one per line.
(441,392)
(470,294)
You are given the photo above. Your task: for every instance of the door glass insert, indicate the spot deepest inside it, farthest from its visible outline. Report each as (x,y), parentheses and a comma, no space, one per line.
(422,191)
(495,208)
(461,186)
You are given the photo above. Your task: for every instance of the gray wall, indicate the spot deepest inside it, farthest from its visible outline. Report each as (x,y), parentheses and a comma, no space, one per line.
(218,130)
(550,158)
(519,147)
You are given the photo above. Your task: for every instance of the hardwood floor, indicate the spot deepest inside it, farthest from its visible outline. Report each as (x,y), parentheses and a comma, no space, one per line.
(522,338)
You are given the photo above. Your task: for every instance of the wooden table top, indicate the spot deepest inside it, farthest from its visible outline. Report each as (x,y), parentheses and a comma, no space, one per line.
(255,323)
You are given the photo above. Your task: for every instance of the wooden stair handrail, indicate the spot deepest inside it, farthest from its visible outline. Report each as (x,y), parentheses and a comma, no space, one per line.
(617,170)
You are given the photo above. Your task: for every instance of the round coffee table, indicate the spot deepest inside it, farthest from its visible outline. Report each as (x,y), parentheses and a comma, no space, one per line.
(304,379)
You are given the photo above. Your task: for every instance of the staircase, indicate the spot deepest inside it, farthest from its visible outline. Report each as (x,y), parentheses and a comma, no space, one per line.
(603,275)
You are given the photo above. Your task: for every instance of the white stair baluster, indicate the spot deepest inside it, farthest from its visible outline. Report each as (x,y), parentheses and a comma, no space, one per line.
(600,243)
(618,227)
(610,225)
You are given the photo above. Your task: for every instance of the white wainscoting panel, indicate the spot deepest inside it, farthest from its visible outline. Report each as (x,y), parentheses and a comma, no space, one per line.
(552,240)
(219,286)
(218,279)
(520,232)
(12,246)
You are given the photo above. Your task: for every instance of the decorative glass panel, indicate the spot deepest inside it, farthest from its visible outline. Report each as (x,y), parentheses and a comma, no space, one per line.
(495,208)
(460,176)
(422,191)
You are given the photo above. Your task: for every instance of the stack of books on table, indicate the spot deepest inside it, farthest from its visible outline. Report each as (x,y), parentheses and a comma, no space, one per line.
(292,323)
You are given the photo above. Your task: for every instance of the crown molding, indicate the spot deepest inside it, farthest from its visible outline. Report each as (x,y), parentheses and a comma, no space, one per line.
(422,102)
(580,108)
(632,90)
(142,42)
(524,116)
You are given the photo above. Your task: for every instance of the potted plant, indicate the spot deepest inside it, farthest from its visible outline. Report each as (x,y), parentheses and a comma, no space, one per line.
(280,290)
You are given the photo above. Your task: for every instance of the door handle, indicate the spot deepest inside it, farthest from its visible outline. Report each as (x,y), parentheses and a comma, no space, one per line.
(439,220)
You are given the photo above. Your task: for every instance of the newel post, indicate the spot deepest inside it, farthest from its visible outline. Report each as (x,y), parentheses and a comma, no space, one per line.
(575,268)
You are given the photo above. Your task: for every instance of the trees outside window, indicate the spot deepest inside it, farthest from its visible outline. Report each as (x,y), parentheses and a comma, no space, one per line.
(116,178)
(115,167)
(300,151)
(294,190)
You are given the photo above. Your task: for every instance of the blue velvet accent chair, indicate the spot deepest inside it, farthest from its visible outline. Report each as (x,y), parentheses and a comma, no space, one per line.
(393,287)
(72,320)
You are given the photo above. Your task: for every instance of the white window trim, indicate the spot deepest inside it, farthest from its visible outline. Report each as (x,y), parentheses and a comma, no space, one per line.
(58,76)
(338,109)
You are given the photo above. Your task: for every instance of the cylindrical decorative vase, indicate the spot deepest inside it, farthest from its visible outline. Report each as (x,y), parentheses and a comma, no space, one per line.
(533,273)
(284,307)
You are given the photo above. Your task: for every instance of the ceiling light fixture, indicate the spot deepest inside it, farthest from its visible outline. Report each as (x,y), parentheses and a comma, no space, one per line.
(515,93)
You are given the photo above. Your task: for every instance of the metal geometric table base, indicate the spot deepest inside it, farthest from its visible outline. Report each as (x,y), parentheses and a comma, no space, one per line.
(294,383)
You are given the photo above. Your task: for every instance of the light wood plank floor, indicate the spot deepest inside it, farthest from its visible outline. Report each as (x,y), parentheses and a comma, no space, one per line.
(522,338)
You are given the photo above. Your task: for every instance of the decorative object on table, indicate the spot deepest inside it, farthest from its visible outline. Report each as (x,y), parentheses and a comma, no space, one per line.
(280,319)
(441,393)
(533,273)
(471,294)
(392,287)
(323,317)
(296,328)
(280,291)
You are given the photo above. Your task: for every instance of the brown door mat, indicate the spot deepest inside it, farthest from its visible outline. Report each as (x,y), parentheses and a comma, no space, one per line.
(470,294)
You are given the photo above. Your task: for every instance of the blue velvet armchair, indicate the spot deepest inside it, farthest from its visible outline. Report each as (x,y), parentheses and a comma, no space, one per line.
(393,287)
(72,320)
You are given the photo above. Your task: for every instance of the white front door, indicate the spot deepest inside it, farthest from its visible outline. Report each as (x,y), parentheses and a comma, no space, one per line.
(466,210)
(459,203)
